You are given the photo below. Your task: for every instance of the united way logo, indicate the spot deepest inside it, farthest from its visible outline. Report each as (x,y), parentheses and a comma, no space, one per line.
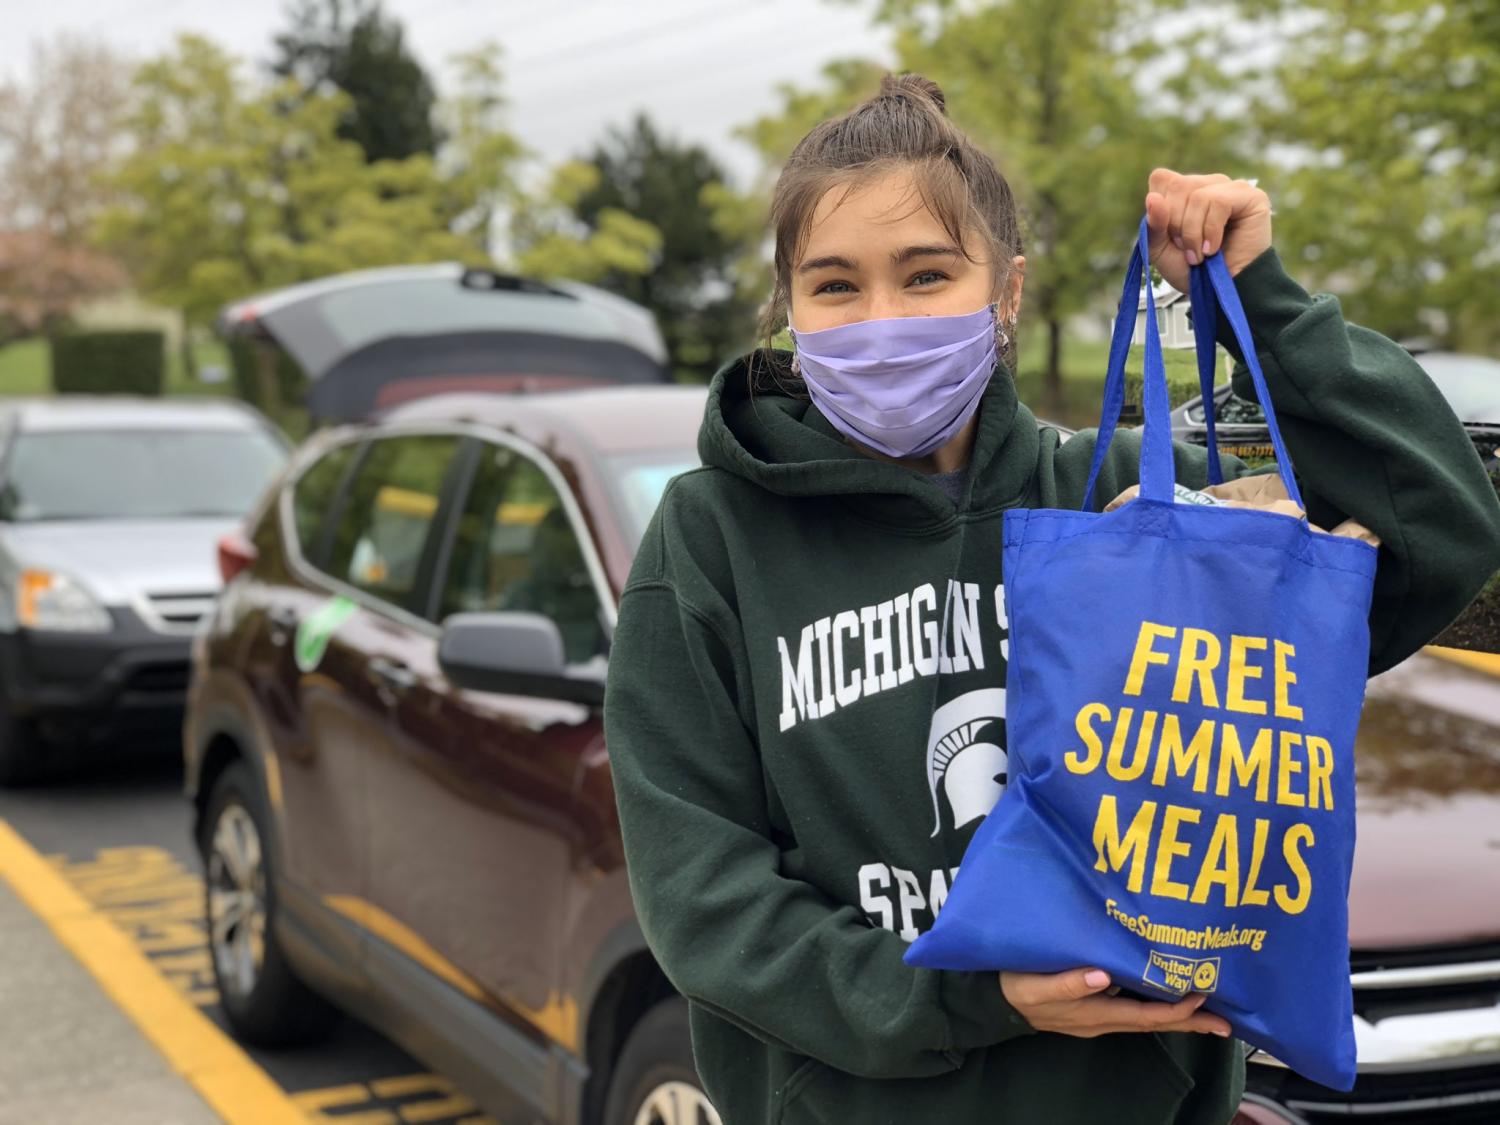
(966,764)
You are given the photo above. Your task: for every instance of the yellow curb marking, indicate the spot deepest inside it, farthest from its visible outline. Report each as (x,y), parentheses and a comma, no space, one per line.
(235,1088)
(1480,661)
(158,902)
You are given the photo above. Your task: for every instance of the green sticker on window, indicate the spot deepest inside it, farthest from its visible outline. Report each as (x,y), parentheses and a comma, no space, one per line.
(317,629)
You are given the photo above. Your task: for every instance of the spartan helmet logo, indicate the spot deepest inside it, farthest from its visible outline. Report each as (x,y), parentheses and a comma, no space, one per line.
(964,757)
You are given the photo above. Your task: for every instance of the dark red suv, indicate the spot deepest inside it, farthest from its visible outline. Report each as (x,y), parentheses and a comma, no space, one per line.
(395,750)
(404,806)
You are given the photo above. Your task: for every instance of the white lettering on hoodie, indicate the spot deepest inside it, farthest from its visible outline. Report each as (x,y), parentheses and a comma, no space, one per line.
(852,654)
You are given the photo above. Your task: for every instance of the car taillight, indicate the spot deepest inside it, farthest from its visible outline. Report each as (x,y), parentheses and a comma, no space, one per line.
(236,553)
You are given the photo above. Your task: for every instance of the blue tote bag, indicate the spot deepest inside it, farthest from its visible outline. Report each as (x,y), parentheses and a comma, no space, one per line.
(1184,687)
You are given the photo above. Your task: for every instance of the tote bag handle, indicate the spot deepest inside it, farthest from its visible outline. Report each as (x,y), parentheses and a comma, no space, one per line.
(1209,280)
(1205,310)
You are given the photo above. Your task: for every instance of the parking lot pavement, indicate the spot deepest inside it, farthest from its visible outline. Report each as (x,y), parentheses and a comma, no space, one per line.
(114,841)
(70,1054)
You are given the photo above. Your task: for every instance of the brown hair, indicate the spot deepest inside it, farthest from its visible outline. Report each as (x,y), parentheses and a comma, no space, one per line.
(904,126)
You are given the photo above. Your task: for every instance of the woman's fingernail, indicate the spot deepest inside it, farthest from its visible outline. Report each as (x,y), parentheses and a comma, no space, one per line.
(1177,241)
(1221,1034)
(1205,247)
(1096,978)
(1192,257)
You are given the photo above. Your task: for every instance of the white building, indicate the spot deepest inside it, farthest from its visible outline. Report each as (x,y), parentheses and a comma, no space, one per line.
(1172,322)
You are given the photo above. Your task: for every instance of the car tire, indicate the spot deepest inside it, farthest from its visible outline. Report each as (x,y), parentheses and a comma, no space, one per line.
(265,1002)
(20,760)
(655,1081)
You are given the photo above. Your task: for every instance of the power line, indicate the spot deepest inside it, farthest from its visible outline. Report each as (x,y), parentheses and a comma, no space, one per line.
(612,42)
(146,8)
(549,17)
(678,77)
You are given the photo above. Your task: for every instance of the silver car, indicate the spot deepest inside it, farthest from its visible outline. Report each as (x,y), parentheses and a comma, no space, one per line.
(111,510)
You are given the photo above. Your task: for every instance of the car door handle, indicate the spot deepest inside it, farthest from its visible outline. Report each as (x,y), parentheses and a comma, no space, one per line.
(391,677)
(283,621)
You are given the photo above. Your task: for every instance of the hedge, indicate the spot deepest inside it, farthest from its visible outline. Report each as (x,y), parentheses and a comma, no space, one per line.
(1182,382)
(119,362)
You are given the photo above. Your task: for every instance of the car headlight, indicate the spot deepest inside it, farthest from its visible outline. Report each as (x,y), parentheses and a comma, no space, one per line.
(48,600)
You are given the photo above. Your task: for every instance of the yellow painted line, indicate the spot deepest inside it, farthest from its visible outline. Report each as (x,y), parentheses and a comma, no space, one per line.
(231,1083)
(1480,661)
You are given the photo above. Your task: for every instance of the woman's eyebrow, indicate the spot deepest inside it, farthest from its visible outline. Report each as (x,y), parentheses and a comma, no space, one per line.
(898,257)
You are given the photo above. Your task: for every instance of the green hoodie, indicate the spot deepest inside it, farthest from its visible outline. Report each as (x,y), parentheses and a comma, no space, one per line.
(805,721)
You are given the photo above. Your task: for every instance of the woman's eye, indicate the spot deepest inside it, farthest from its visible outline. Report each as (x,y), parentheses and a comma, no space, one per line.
(918,279)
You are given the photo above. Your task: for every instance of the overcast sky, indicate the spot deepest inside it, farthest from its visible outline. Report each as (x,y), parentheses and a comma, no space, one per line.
(698,67)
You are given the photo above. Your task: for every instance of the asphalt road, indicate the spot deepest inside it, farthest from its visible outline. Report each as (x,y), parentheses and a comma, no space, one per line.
(119,830)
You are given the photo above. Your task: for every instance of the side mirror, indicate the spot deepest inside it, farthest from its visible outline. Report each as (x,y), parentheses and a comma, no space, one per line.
(515,654)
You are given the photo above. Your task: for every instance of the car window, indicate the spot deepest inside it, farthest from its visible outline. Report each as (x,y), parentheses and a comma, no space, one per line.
(1240,412)
(1470,383)
(313,495)
(383,526)
(639,479)
(515,549)
(138,474)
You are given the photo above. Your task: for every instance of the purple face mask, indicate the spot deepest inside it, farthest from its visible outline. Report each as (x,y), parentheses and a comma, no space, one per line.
(901,385)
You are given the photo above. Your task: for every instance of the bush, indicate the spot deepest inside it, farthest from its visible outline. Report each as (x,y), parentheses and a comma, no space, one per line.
(1182,381)
(132,362)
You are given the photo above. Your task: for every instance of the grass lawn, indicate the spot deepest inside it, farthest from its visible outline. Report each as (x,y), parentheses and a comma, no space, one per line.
(1084,363)
(26,369)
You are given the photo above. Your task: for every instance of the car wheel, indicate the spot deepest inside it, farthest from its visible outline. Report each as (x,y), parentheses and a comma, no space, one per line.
(655,1082)
(19,760)
(264,1001)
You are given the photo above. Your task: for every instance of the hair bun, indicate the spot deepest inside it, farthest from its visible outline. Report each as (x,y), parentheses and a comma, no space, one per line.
(907,85)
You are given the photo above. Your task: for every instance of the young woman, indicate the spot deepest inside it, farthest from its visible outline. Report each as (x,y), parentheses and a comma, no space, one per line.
(805,714)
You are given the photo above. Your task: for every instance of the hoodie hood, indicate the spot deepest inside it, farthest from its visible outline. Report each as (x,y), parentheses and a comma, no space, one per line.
(787,446)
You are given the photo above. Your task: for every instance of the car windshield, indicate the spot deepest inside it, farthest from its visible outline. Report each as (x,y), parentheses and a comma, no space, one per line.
(1470,383)
(137,474)
(639,480)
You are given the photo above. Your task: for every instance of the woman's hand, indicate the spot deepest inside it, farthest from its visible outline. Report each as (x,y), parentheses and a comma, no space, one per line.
(1191,217)
(1076,1003)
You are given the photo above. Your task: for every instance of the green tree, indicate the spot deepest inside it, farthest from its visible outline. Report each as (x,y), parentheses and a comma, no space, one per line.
(1077,100)
(230,188)
(549,240)
(689,287)
(1387,190)
(740,216)
(356,47)
(481,158)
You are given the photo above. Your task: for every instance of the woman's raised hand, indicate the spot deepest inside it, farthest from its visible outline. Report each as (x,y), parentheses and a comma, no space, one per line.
(1191,217)
(1081,1002)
